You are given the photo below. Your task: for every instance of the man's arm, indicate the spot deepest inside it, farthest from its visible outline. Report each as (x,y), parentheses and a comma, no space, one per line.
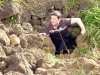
(80,23)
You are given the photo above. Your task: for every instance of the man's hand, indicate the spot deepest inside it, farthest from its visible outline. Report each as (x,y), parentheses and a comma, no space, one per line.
(51,31)
(83,32)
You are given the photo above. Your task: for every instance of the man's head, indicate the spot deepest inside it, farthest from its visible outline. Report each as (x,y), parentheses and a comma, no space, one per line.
(55,17)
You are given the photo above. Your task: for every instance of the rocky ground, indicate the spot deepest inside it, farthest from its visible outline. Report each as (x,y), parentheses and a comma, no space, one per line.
(24,51)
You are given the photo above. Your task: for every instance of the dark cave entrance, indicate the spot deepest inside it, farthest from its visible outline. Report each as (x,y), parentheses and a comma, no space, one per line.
(72,44)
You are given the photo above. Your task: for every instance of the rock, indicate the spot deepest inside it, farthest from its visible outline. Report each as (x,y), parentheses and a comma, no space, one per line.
(35,22)
(11,59)
(33,55)
(42,63)
(86,64)
(85,5)
(19,64)
(2,54)
(45,6)
(31,40)
(16,29)
(10,50)
(64,64)
(60,65)
(55,72)
(44,23)
(81,42)
(48,46)
(27,27)
(2,66)
(13,73)
(2,26)
(39,28)
(80,39)
(14,39)
(25,61)
(41,15)
(54,4)
(8,9)
(4,38)
(74,31)
(39,70)
(1,73)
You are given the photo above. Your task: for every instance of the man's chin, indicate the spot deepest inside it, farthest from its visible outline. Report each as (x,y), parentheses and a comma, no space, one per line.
(53,24)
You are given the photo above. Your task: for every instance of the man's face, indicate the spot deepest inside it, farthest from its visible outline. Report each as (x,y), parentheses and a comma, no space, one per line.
(54,20)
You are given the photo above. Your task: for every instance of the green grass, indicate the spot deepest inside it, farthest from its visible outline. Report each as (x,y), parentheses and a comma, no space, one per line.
(2,2)
(21,2)
(51,58)
(95,53)
(12,19)
(91,19)
(69,4)
(82,51)
(74,2)
(79,72)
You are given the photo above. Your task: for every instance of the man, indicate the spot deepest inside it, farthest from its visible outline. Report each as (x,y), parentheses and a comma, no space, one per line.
(57,29)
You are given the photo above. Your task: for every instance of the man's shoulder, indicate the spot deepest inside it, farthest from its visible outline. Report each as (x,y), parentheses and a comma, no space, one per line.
(66,19)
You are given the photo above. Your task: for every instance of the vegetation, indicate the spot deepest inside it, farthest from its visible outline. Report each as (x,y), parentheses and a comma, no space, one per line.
(91,19)
(12,19)
(70,3)
(51,58)
(74,2)
(2,2)
(82,51)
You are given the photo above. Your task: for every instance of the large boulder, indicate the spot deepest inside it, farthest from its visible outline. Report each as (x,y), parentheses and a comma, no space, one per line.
(45,64)
(2,58)
(2,26)
(11,49)
(19,64)
(15,29)
(14,39)
(27,27)
(24,62)
(2,54)
(4,40)
(32,56)
(55,72)
(81,66)
(1,73)
(81,41)
(2,66)
(48,46)
(13,73)
(42,9)
(18,29)
(31,40)
(39,70)
(8,9)
(39,28)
